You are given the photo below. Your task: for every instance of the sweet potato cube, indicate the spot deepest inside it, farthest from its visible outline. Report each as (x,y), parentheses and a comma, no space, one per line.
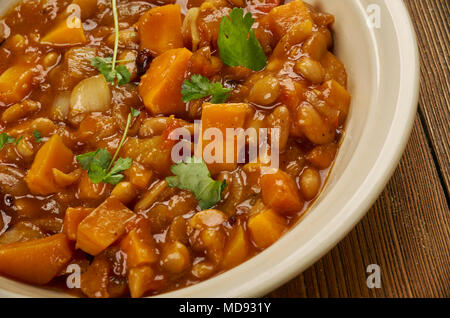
(53,154)
(266,228)
(72,219)
(37,261)
(139,176)
(67,32)
(236,249)
(138,244)
(91,191)
(279,192)
(15,84)
(160,29)
(141,280)
(338,97)
(282,18)
(219,117)
(160,87)
(103,226)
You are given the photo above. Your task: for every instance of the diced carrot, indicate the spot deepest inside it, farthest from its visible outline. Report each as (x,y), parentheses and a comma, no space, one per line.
(160,87)
(53,154)
(95,281)
(103,226)
(138,245)
(65,179)
(15,84)
(220,117)
(237,248)
(338,97)
(279,191)
(91,191)
(160,29)
(72,219)
(68,31)
(141,280)
(282,18)
(37,261)
(266,228)
(139,176)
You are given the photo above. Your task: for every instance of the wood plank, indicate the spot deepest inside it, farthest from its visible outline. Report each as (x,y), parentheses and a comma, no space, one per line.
(431,20)
(406,232)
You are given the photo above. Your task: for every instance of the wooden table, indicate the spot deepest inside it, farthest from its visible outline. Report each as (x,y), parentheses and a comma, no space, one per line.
(407,231)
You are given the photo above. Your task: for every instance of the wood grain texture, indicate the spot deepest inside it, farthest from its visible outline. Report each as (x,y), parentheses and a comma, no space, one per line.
(407,231)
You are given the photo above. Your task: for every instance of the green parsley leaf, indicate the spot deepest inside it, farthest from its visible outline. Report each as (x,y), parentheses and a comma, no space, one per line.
(107,65)
(123,75)
(135,112)
(6,139)
(193,175)
(100,166)
(37,135)
(238,45)
(199,86)
(18,140)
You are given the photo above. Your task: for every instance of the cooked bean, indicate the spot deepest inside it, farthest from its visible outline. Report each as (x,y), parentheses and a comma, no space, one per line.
(265,91)
(313,126)
(280,119)
(175,257)
(20,110)
(310,70)
(310,183)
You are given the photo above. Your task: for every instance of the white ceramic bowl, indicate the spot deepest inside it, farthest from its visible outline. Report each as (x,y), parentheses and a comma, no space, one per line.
(383,73)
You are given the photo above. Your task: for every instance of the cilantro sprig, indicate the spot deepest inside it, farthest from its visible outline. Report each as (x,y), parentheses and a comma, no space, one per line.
(193,175)
(199,86)
(238,45)
(6,139)
(107,65)
(37,135)
(101,167)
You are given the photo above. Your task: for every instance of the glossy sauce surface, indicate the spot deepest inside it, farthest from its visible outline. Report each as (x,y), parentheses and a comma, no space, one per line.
(301,91)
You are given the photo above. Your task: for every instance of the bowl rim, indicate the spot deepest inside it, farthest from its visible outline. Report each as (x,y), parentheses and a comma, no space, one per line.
(386,163)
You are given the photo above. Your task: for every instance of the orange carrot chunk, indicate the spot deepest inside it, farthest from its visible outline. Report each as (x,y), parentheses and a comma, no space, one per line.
(160,29)
(279,191)
(220,117)
(68,31)
(53,154)
(103,226)
(160,87)
(37,261)
(72,219)
(282,18)
(266,228)
(236,249)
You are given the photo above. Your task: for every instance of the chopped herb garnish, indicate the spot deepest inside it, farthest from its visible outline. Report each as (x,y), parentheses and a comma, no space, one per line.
(199,86)
(6,139)
(107,65)
(238,45)
(37,135)
(193,175)
(100,166)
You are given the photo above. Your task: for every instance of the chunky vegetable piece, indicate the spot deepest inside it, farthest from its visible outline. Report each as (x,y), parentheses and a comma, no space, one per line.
(53,155)
(160,87)
(160,29)
(66,32)
(36,261)
(280,192)
(103,226)
(15,84)
(139,139)
(217,118)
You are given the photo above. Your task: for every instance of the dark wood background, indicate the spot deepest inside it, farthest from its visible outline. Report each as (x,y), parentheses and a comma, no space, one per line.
(407,231)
